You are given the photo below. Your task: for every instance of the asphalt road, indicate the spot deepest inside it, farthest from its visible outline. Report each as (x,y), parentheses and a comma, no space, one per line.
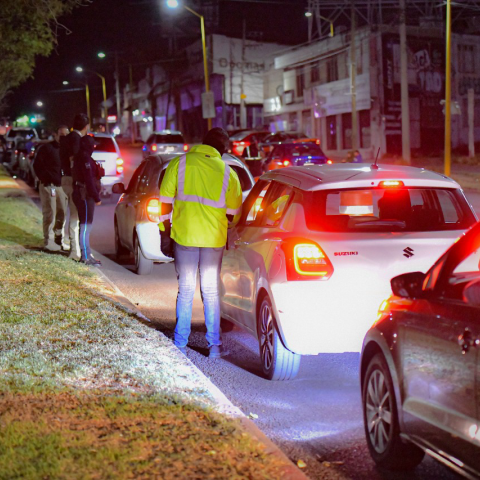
(315,418)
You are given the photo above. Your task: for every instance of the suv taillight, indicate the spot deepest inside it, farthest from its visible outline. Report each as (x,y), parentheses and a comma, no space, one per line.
(153,210)
(154,147)
(119,166)
(306,260)
(185,147)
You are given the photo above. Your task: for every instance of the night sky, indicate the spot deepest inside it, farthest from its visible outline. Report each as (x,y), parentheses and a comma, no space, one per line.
(139,29)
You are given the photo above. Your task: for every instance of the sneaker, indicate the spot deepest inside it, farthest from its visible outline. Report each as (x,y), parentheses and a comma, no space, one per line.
(94,260)
(52,247)
(91,261)
(59,241)
(217,351)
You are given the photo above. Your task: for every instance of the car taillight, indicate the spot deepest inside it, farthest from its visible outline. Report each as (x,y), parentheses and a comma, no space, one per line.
(154,147)
(119,166)
(306,260)
(153,210)
(391,184)
(286,163)
(329,161)
(185,147)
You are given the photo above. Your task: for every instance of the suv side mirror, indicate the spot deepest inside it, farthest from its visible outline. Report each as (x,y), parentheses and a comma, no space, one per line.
(118,188)
(471,293)
(408,285)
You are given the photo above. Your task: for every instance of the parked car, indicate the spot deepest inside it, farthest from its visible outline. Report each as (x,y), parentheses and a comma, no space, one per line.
(164,142)
(107,154)
(245,138)
(296,153)
(18,137)
(137,212)
(420,365)
(313,253)
(278,137)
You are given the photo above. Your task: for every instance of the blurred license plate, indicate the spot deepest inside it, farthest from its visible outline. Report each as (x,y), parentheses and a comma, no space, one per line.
(309,163)
(170,149)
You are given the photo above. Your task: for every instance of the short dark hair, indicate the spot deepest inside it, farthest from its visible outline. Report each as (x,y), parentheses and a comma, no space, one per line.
(217,138)
(80,121)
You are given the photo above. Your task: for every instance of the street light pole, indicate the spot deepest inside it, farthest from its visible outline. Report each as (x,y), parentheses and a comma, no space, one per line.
(87,95)
(448,92)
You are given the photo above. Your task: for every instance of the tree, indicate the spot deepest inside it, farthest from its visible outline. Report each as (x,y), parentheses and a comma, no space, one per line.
(27,28)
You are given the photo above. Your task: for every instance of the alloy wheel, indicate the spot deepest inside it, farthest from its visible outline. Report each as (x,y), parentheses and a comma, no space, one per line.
(379,415)
(266,336)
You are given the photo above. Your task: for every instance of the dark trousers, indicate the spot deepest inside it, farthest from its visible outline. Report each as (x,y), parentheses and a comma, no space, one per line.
(86,209)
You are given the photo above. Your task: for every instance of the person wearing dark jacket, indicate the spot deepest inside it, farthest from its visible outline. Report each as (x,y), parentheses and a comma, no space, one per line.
(54,202)
(69,147)
(86,195)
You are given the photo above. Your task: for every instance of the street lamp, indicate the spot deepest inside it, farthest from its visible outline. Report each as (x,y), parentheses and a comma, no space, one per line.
(104,88)
(175,4)
(39,103)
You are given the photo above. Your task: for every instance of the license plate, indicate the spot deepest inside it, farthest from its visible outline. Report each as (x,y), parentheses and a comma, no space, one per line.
(309,163)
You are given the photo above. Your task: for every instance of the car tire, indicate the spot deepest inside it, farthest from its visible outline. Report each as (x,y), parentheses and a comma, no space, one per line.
(120,250)
(143,265)
(278,363)
(380,417)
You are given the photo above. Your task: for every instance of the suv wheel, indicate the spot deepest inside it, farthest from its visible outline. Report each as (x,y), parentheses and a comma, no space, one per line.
(143,265)
(278,363)
(380,416)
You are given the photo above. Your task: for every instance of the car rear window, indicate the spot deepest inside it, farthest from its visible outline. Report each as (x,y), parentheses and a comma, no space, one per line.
(166,139)
(303,149)
(20,133)
(245,181)
(387,210)
(104,144)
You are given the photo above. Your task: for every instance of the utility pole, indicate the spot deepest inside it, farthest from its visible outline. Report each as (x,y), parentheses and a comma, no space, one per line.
(353,73)
(117,90)
(243,108)
(130,103)
(471,124)
(448,93)
(404,86)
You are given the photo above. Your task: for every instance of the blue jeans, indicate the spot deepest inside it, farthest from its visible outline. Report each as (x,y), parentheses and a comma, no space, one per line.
(187,262)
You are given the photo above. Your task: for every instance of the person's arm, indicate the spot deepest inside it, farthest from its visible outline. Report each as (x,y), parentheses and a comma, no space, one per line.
(234,198)
(89,177)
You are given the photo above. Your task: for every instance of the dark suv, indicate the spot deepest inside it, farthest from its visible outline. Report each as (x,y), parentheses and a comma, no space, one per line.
(420,366)
(164,142)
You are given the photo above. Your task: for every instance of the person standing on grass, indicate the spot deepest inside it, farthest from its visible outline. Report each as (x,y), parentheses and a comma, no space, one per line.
(86,195)
(48,170)
(206,191)
(69,147)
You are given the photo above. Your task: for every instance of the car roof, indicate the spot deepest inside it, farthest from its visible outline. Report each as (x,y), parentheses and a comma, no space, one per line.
(167,132)
(323,177)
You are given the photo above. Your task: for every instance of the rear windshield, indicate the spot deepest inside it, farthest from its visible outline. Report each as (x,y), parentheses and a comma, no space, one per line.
(105,144)
(20,133)
(245,181)
(387,210)
(303,149)
(156,138)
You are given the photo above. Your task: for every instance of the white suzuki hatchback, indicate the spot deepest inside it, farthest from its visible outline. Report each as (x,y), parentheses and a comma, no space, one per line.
(137,211)
(108,155)
(311,258)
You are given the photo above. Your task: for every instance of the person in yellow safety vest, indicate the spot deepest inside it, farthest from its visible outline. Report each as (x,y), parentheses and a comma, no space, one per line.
(204,191)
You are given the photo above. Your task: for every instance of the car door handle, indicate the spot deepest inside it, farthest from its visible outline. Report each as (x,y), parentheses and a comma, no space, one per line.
(466,341)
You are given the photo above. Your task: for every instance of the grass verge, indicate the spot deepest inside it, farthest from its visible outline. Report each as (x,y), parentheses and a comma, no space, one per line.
(86,391)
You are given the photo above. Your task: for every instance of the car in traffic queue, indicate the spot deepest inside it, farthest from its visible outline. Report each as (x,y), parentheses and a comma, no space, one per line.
(420,365)
(164,142)
(107,153)
(240,140)
(295,154)
(137,212)
(267,144)
(313,253)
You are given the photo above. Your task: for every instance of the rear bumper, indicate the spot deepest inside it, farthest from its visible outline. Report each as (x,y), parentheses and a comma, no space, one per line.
(149,238)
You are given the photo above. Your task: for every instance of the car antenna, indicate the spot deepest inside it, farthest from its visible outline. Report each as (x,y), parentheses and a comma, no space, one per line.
(374,165)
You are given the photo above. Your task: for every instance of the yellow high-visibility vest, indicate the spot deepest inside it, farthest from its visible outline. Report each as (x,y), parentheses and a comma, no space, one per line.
(203,190)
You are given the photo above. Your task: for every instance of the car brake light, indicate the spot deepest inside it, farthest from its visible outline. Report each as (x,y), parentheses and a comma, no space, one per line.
(119,161)
(306,260)
(317,141)
(153,210)
(330,161)
(286,163)
(154,147)
(119,169)
(185,147)
(391,184)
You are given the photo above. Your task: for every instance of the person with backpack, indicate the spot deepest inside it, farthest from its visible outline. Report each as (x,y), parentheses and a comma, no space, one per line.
(86,195)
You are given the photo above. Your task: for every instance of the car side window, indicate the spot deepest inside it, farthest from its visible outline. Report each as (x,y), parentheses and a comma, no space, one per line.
(252,207)
(146,177)
(134,180)
(276,204)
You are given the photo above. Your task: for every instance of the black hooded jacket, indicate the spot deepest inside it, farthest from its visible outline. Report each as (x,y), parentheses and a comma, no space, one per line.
(47,164)
(84,171)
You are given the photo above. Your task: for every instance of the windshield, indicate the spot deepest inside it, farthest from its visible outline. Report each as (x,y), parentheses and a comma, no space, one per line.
(105,144)
(387,210)
(166,139)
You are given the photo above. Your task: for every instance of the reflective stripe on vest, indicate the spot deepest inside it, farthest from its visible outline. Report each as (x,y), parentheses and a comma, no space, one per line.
(220,203)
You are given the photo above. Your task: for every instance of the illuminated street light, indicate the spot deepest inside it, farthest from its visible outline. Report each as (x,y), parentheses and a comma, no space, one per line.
(79,69)
(175,4)
(65,82)
(101,55)
(308,14)
(39,103)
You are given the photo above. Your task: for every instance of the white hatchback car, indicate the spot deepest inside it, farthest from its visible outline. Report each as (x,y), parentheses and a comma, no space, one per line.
(137,211)
(311,258)
(107,154)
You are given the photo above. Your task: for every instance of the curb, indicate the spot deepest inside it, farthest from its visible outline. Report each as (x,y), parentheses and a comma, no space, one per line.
(290,470)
